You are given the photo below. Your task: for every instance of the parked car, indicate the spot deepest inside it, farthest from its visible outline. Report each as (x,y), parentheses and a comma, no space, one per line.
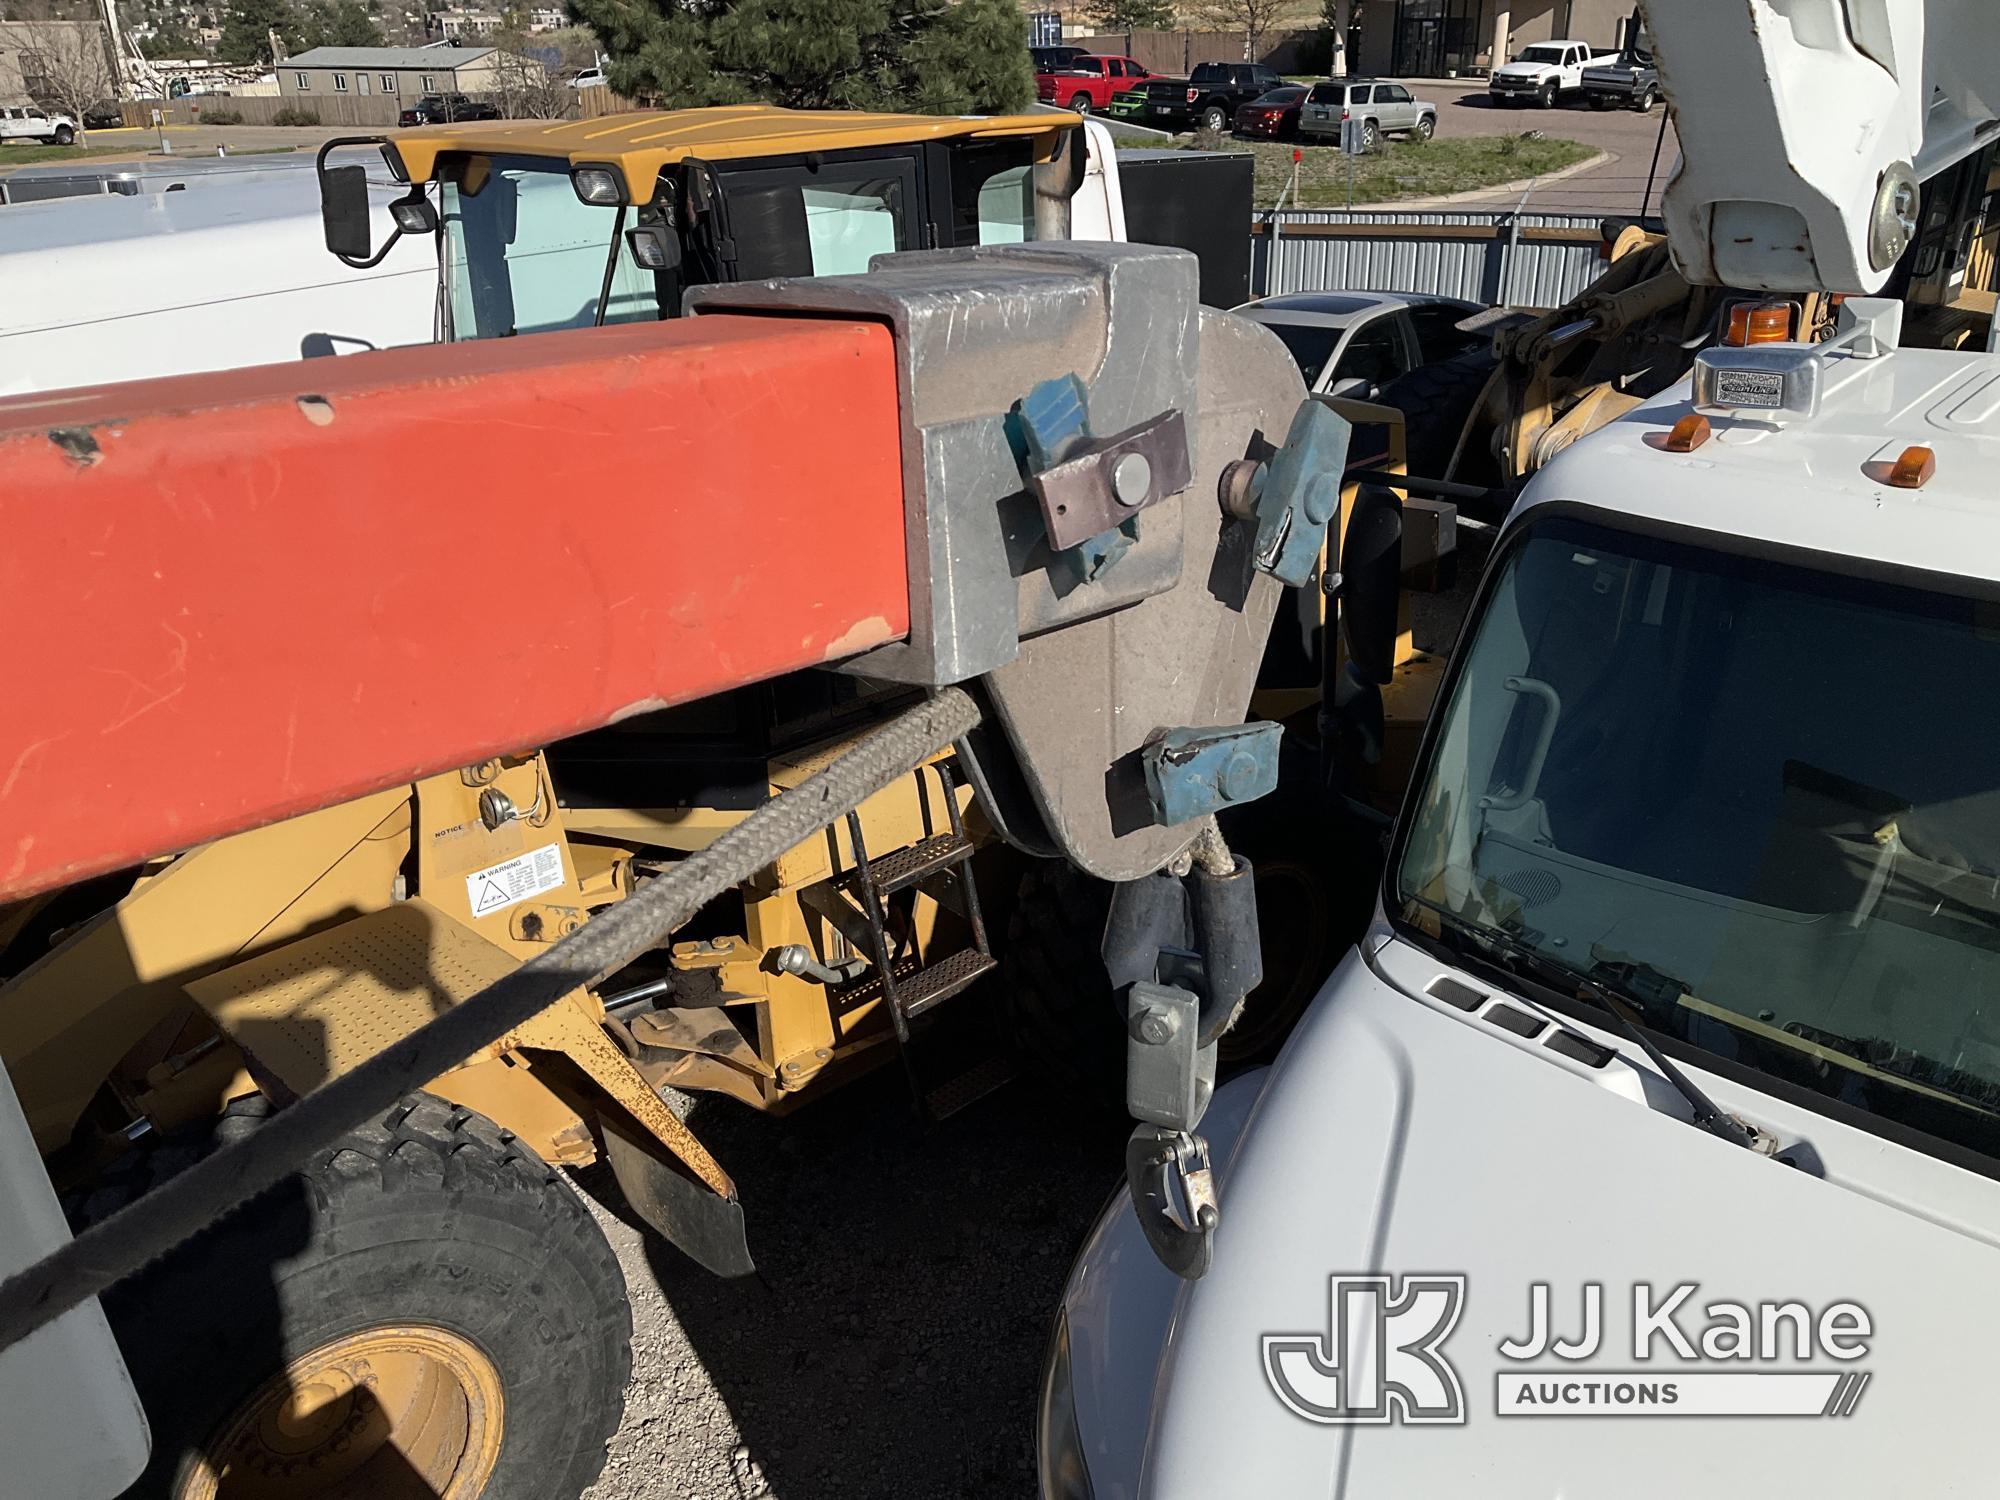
(590,78)
(1273,116)
(1382,108)
(1544,72)
(1048,59)
(30,122)
(1355,343)
(1089,81)
(445,109)
(1630,80)
(1130,105)
(103,115)
(1209,96)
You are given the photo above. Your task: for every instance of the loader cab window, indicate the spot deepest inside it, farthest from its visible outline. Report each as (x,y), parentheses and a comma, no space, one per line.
(992,193)
(522,254)
(824,219)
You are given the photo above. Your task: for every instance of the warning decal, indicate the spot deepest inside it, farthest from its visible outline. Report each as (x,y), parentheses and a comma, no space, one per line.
(517,879)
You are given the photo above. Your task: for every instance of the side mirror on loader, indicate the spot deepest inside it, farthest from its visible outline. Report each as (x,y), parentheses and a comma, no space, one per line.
(343,211)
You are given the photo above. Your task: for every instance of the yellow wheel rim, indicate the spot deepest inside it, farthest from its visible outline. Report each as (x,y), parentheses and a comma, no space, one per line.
(399,1413)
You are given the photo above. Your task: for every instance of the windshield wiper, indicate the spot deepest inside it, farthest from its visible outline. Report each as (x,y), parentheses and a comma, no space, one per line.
(1516,955)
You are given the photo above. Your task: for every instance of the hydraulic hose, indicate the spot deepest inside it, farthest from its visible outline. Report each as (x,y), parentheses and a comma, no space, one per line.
(107,1253)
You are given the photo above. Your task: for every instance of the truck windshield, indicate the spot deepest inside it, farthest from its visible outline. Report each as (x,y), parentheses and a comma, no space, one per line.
(1545,54)
(1762,798)
(524,255)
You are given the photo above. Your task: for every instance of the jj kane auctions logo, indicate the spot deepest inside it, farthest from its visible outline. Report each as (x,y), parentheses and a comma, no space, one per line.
(1380,1358)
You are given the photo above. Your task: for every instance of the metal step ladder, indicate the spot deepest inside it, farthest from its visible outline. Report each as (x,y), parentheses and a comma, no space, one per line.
(939,866)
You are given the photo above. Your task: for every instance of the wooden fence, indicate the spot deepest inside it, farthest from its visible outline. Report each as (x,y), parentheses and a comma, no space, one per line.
(1175,52)
(329,109)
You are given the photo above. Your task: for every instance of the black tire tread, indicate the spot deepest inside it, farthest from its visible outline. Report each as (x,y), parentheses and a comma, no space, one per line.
(424,1145)
(1435,400)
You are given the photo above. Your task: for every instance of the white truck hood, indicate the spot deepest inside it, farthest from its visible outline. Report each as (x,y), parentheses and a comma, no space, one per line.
(1398,1135)
(1526,69)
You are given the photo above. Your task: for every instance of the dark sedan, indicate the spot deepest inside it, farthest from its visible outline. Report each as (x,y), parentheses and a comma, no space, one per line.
(1273,116)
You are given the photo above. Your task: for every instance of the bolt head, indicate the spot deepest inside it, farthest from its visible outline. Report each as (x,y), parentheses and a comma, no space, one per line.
(1322,498)
(1893,221)
(1132,479)
(1239,777)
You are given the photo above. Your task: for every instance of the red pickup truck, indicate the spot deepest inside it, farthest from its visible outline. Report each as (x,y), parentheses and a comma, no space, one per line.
(1087,82)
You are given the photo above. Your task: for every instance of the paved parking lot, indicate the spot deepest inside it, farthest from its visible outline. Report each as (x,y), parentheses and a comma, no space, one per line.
(1616,185)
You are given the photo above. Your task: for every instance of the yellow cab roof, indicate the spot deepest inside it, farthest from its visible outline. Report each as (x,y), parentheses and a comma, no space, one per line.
(643,143)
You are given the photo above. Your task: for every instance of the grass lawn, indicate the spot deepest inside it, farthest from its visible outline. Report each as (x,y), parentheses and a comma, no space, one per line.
(21,156)
(1401,169)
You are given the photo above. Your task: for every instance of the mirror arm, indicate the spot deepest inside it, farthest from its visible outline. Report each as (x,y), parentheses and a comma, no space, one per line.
(374,260)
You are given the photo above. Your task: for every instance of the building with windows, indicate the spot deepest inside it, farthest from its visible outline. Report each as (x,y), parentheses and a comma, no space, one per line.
(399,72)
(1452,38)
(48,62)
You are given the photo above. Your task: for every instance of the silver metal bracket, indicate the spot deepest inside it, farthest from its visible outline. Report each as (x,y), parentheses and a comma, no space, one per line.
(974,329)
(1169,1074)
(1084,655)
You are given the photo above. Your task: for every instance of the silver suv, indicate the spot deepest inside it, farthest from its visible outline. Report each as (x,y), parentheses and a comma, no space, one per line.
(1382,108)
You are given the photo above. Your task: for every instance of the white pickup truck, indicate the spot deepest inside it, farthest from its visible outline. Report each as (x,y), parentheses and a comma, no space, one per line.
(28,122)
(1544,72)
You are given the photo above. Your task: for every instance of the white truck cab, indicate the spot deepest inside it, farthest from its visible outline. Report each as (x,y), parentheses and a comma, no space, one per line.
(30,122)
(1665,1087)
(1543,72)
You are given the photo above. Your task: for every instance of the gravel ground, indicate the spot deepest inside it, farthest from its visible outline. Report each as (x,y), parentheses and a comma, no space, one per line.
(908,1278)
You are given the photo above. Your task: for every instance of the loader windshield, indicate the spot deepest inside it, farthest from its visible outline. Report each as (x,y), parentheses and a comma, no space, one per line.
(1763,798)
(522,254)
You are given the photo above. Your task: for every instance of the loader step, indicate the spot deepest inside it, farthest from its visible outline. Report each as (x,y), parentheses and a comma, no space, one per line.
(904,868)
(932,986)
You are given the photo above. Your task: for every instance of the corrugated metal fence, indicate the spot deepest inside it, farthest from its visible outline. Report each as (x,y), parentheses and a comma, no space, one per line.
(1524,260)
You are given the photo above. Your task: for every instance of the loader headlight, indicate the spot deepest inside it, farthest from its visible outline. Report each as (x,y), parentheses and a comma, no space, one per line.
(414,215)
(1059,1462)
(599,186)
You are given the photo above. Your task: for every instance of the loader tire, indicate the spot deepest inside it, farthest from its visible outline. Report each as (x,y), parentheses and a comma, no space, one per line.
(1061,1016)
(1436,400)
(424,1309)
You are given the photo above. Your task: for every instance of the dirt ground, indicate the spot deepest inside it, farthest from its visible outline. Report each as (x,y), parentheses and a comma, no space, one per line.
(908,1277)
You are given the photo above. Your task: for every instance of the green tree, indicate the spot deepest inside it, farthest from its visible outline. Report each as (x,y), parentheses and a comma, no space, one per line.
(336,23)
(933,56)
(247,28)
(1132,15)
(171,38)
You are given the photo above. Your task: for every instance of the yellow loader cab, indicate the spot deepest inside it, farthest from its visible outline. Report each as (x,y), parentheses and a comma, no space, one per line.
(568,224)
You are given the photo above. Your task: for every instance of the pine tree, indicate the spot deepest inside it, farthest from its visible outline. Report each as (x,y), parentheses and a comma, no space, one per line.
(1132,15)
(247,28)
(934,56)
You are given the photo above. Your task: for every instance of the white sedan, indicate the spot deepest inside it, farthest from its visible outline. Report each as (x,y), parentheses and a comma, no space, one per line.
(1355,343)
